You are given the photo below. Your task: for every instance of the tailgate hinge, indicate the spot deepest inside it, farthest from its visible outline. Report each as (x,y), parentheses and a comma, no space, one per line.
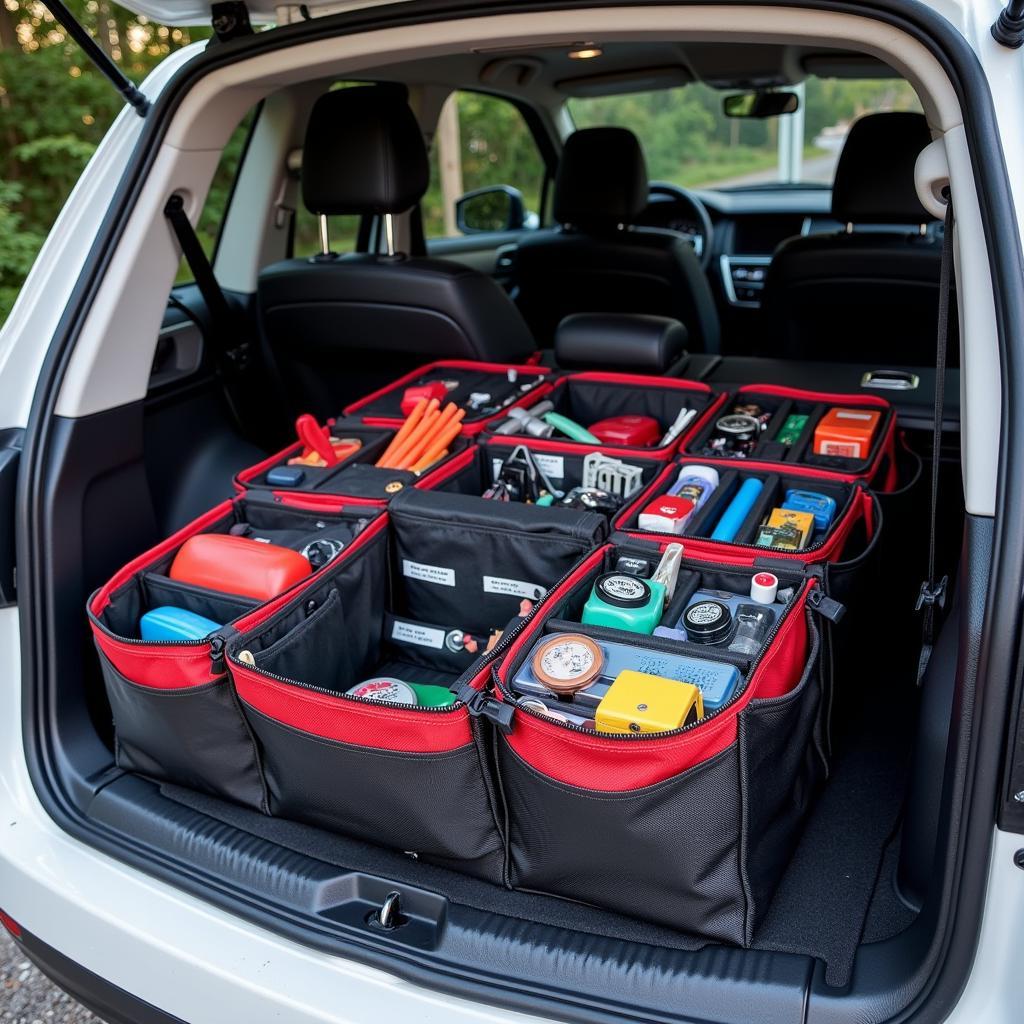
(230,20)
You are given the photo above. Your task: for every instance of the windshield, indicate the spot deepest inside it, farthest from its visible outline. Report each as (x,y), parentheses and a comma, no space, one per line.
(688,141)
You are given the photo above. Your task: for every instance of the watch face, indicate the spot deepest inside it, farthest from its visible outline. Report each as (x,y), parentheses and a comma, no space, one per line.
(567,662)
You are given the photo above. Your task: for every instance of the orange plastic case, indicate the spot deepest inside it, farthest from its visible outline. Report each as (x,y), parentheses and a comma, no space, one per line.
(847,433)
(238,565)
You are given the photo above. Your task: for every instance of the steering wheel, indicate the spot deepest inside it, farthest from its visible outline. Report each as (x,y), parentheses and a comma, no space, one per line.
(700,240)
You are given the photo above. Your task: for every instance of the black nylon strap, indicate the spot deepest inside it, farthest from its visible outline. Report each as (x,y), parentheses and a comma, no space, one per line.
(230,330)
(932,597)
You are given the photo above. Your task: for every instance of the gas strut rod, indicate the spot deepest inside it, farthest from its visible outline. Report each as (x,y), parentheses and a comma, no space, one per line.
(106,66)
(1008,28)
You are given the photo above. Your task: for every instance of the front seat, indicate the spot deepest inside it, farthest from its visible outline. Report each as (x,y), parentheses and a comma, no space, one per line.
(338,327)
(868,295)
(597,261)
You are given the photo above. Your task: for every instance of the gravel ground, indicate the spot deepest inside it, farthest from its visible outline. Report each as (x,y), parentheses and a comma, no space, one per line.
(27,997)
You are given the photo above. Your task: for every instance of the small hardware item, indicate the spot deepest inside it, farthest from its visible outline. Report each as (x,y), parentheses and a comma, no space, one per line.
(238,565)
(681,422)
(735,436)
(753,409)
(764,587)
(667,571)
(667,514)
(415,394)
(752,625)
(527,421)
(478,400)
(623,601)
(424,437)
(786,529)
(821,506)
(320,552)
(567,663)
(707,622)
(428,696)
(557,714)
(384,690)
(635,566)
(285,476)
(591,499)
(846,433)
(520,478)
(637,702)
(613,475)
(792,429)
(320,448)
(169,623)
(570,428)
(634,431)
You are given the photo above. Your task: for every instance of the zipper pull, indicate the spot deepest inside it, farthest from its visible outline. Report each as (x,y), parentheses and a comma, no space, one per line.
(827,607)
(479,703)
(217,659)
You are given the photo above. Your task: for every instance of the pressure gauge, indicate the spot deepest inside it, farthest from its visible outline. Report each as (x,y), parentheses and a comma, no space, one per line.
(567,662)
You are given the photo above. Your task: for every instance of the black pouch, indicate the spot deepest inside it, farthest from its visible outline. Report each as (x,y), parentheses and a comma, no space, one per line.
(689,829)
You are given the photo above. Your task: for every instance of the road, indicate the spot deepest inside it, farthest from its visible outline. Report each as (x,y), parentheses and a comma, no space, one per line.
(817,169)
(28,997)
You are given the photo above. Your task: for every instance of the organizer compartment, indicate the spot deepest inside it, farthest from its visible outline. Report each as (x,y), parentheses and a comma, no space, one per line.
(587,398)
(175,715)
(354,477)
(777,404)
(385,406)
(692,828)
(852,530)
(410,777)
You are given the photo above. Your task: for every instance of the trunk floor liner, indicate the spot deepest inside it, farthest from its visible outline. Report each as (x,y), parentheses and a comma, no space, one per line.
(820,906)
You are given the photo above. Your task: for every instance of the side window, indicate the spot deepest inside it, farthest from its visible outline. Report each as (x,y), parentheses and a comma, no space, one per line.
(482,142)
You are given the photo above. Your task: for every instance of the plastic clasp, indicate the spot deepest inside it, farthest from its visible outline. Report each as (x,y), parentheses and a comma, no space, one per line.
(932,594)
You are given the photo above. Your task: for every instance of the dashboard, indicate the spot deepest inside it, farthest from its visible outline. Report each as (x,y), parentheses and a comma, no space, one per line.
(747,226)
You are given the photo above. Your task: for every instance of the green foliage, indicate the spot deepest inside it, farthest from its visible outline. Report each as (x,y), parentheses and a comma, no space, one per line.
(55,107)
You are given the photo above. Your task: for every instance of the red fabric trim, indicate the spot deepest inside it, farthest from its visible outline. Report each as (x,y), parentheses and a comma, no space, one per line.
(168,666)
(312,501)
(379,726)
(154,554)
(608,765)
(638,380)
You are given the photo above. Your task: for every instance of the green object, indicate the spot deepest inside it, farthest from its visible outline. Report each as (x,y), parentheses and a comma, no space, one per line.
(623,601)
(428,696)
(570,427)
(791,430)
(546,499)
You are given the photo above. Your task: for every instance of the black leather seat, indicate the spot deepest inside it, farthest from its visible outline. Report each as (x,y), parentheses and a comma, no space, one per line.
(863,295)
(597,261)
(338,327)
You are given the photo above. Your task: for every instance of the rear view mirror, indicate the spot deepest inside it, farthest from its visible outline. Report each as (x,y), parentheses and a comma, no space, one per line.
(494,208)
(760,104)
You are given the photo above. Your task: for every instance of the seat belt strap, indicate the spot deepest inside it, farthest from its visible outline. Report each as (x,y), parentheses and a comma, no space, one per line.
(231,331)
(932,596)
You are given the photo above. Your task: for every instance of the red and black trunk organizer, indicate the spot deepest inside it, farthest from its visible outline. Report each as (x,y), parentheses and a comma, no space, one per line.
(879,468)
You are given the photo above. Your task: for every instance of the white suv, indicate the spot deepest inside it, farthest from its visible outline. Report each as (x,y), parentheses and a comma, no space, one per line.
(129,402)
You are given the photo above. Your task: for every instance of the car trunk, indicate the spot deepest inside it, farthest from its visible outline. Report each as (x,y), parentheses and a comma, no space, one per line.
(850,921)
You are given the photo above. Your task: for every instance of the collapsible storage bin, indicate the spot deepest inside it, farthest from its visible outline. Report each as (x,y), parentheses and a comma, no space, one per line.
(463,382)
(176,717)
(690,828)
(852,530)
(417,603)
(589,397)
(775,405)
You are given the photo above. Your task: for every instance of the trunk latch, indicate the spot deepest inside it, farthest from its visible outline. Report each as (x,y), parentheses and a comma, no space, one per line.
(389,916)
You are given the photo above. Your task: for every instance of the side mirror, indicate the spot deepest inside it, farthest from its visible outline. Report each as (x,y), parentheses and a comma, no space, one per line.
(494,208)
(760,104)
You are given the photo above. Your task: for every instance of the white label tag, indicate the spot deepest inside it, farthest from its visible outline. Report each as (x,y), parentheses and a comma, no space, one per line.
(848,414)
(428,573)
(552,465)
(422,636)
(513,588)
